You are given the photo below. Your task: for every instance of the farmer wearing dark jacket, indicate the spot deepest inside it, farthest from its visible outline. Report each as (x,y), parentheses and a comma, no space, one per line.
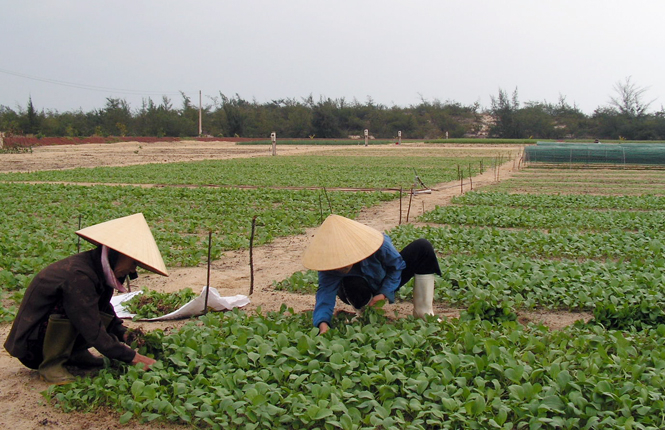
(66,308)
(361,266)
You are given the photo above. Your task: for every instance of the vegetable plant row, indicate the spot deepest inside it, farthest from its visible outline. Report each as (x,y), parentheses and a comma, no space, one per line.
(555,243)
(284,171)
(510,217)
(621,294)
(236,370)
(576,201)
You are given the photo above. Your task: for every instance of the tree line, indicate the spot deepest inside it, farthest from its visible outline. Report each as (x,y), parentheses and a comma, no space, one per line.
(625,117)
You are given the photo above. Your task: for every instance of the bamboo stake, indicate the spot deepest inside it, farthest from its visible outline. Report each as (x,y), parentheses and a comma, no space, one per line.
(205,303)
(78,243)
(251,257)
(409,209)
(327,198)
(320,209)
(400,206)
(470,177)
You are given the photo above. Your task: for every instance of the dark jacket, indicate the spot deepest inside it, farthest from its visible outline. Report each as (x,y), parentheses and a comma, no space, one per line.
(75,287)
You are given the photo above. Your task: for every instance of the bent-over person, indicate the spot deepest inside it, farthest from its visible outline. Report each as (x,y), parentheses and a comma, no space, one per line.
(67,307)
(361,266)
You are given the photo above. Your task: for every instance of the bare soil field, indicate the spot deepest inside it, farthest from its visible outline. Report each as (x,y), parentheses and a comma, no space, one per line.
(23,407)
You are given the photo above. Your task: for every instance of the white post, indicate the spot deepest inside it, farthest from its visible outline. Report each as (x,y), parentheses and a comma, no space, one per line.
(273,138)
(366,136)
(2,139)
(446,135)
(200,117)
(399,137)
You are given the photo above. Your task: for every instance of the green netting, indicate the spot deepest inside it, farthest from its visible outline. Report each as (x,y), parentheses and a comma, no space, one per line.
(596,153)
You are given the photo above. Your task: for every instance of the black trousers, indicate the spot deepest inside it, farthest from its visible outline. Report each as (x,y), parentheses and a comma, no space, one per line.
(420,259)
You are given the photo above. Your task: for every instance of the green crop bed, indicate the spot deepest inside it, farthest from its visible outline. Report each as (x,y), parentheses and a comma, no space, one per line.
(286,171)
(41,221)
(568,201)
(509,217)
(244,371)
(500,253)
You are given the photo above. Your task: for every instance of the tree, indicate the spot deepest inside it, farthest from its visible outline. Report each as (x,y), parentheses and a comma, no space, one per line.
(325,120)
(235,110)
(116,117)
(189,117)
(569,121)
(504,110)
(629,99)
(31,121)
(535,121)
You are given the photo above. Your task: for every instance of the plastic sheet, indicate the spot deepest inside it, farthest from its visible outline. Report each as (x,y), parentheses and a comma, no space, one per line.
(193,308)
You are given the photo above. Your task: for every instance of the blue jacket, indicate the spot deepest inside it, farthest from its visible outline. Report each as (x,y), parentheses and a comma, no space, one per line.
(382,270)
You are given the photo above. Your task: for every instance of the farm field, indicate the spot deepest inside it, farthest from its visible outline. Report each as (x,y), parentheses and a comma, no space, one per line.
(489,364)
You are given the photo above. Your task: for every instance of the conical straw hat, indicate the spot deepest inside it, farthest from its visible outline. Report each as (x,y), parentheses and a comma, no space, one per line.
(131,236)
(340,242)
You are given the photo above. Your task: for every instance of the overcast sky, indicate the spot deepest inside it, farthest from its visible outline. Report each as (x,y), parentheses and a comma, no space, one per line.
(73,54)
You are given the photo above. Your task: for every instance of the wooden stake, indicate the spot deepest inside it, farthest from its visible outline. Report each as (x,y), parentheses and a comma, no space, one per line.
(327,198)
(470,177)
(205,303)
(409,209)
(400,206)
(251,257)
(78,244)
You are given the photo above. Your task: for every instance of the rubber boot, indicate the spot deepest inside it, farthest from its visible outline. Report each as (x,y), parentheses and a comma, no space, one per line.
(58,343)
(423,295)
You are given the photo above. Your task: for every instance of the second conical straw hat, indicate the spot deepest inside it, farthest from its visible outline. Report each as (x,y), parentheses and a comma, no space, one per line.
(131,236)
(340,242)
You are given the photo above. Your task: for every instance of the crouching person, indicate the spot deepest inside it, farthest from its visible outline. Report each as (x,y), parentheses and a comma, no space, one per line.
(361,266)
(67,307)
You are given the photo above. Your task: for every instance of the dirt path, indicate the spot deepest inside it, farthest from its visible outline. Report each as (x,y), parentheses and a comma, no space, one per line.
(22,405)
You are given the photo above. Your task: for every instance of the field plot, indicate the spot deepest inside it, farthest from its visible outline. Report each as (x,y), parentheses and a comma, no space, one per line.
(44,217)
(487,369)
(182,216)
(580,181)
(370,170)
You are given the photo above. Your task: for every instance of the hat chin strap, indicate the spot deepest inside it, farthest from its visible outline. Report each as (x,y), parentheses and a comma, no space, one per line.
(108,273)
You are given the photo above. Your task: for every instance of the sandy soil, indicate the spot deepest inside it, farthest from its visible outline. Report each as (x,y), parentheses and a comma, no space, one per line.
(22,405)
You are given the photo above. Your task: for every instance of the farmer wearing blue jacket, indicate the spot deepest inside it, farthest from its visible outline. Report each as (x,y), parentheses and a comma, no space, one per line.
(361,266)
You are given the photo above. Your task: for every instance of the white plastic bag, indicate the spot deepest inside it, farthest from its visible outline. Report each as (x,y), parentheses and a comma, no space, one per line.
(193,308)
